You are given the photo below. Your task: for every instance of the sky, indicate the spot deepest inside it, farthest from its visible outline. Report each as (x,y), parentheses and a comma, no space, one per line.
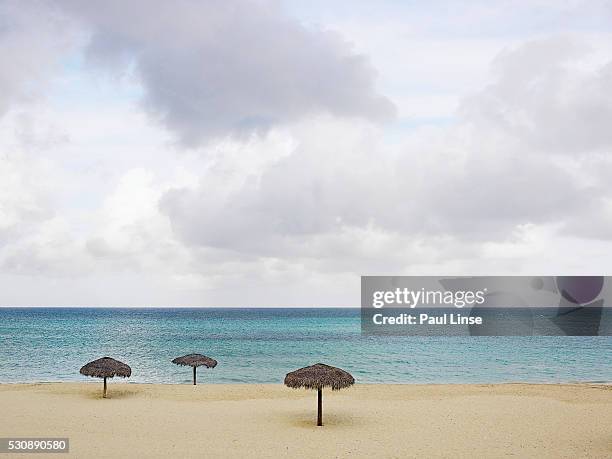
(269,153)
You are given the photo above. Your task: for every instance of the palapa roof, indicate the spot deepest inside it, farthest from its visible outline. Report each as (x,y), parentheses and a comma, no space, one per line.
(195,360)
(106,367)
(318,376)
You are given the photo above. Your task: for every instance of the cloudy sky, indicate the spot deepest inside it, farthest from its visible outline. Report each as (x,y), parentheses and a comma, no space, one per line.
(268,153)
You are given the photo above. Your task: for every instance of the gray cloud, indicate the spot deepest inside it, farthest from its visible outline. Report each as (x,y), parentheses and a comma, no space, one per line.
(539,97)
(311,194)
(481,183)
(223,67)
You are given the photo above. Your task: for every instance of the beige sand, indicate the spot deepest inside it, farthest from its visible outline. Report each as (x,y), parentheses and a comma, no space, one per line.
(141,420)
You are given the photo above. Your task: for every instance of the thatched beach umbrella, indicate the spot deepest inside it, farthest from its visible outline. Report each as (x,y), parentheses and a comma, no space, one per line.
(106,368)
(195,361)
(317,377)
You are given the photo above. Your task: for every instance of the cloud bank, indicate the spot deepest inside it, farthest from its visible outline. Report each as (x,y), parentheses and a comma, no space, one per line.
(479,179)
(231,154)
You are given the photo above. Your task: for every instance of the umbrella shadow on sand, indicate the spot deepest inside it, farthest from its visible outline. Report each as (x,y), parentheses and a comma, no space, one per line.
(303,419)
(120,391)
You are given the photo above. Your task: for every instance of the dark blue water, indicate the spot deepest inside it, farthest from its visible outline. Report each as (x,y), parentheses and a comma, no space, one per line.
(262,345)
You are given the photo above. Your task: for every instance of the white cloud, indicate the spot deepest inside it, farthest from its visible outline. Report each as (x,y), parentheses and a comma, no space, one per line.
(33,37)
(22,195)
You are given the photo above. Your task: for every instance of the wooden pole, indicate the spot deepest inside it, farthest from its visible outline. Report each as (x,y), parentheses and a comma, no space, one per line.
(194,376)
(320,407)
(104,394)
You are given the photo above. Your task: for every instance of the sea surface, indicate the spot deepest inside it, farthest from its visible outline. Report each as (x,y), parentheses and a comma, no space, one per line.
(262,345)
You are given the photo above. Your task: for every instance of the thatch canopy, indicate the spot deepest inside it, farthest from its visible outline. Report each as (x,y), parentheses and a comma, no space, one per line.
(195,360)
(319,376)
(106,368)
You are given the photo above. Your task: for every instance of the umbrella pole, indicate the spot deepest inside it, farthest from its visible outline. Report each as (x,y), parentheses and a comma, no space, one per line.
(104,394)
(320,407)
(194,376)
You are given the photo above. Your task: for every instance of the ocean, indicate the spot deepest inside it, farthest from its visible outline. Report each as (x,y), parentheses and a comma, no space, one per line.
(262,345)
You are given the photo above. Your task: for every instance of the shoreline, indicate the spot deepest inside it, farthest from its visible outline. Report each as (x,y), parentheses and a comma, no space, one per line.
(271,420)
(119,380)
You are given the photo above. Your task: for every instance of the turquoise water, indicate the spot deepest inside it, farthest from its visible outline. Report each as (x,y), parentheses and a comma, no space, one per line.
(262,345)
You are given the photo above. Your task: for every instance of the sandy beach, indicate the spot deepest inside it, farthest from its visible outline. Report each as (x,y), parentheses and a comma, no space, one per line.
(142,420)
